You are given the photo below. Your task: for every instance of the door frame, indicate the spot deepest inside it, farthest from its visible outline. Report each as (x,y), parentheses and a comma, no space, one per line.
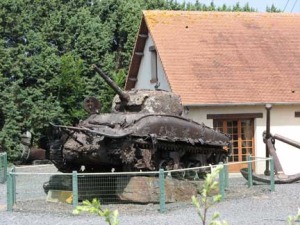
(224,118)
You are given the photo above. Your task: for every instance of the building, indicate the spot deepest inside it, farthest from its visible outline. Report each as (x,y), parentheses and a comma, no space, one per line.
(227,66)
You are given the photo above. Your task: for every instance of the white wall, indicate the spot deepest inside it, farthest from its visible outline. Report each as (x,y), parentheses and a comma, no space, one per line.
(283,122)
(144,74)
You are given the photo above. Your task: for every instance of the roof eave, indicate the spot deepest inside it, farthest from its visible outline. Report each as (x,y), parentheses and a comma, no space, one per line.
(136,58)
(238,104)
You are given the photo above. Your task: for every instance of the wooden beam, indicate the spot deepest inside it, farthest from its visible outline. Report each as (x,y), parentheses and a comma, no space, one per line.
(139,53)
(235,116)
(143,35)
(132,79)
(152,48)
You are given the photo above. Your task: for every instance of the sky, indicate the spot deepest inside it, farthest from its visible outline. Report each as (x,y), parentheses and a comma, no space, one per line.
(284,5)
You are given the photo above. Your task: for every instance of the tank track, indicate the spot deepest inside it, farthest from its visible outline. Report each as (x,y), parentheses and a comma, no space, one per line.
(161,147)
(180,154)
(167,146)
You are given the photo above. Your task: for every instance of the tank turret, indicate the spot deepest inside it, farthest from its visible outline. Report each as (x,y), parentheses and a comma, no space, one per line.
(143,101)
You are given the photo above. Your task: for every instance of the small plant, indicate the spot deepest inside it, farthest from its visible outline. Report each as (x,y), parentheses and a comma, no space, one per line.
(111,217)
(294,220)
(208,199)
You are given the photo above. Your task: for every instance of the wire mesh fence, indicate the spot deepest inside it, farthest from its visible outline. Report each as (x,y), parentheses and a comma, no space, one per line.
(42,188)
(25,189)
(3,167)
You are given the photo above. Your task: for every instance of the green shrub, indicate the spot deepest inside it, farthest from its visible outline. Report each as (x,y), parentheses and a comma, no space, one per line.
(207,198)
(294,220)
(111,217)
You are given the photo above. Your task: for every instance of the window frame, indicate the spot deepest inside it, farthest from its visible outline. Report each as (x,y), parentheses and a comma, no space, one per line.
(154,70)
(224,119)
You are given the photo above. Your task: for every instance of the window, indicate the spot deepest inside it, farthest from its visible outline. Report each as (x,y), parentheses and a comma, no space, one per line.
(153,53)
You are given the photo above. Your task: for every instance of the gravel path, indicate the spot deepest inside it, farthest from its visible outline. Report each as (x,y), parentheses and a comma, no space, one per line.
(242,205)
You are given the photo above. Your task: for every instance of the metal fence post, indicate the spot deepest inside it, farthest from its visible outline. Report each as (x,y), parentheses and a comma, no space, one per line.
(9,187)
(3,167)
(13,176)
(75,188)
(272,174)
(226,173)
(162,193)
(222,181)
(2,174)
(250,181)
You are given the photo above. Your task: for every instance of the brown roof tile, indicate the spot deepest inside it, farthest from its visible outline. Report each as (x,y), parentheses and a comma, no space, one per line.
(226,57)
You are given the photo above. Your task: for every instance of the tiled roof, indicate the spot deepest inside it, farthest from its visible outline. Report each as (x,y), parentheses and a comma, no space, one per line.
(228,57)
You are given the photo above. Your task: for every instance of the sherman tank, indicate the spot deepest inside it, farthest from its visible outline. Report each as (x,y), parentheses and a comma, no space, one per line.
(145,131)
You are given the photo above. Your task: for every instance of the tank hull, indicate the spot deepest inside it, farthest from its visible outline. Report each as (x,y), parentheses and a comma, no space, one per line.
(135,141)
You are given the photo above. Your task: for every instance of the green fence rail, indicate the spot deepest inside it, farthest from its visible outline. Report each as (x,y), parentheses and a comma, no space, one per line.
(136,187)
(3,167)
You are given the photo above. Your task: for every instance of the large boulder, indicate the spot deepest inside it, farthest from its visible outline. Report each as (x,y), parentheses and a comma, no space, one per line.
(146,189)
(138,189)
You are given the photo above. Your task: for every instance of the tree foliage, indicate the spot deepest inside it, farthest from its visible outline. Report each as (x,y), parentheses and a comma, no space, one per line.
(46,49)
(272,9)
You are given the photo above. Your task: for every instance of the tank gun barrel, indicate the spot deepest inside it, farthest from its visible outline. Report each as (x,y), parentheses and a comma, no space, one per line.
(123,96)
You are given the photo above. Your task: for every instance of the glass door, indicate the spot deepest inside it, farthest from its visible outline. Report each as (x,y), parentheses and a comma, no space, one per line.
(242,137)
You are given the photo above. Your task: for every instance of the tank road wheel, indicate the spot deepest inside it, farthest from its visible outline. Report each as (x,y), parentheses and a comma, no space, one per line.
(166,164)
(153,164)
(221,157)
(203,171)
(169,165)
(163,164)
(196,173)
(180,174)
(191,174)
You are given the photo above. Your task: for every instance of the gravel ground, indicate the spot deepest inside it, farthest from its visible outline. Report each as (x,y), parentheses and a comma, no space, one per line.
(242,205)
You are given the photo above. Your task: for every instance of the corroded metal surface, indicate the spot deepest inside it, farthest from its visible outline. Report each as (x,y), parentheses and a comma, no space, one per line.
(286,140)
(145,131)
